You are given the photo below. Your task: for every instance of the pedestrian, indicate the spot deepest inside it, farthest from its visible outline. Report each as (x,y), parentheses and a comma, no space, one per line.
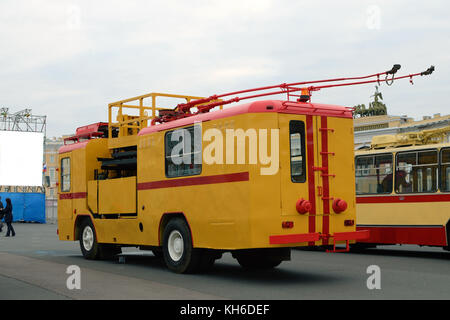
(7,212)
(1,215)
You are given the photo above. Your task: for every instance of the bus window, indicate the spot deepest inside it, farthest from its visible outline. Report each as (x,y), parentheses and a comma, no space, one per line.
(297,152)
(416,172)
(65,175)
(430,186)
(183,152)
(445,170)
(374,174)
(419,180)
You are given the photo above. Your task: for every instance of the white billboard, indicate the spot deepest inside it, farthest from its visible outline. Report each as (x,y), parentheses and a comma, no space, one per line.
(21,157)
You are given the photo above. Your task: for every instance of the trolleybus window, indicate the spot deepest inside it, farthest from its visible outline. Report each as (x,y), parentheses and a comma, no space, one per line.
(374,174)
(445,170)
(65,174)
(416,172)
(297,146)
(183,152)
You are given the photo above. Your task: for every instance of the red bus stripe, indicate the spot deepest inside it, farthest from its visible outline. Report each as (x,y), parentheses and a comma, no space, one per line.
(75,195)
(325,182)
(311,177)
(404,198)
(194,181)
(430,236)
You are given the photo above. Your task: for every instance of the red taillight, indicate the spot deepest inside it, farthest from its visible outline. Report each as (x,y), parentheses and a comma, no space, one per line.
(287,224)
(57,231)
(349,223)
(303,206)
(339,205)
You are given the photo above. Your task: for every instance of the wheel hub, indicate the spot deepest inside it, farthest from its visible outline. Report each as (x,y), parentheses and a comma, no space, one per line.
(175,245)
(88,238)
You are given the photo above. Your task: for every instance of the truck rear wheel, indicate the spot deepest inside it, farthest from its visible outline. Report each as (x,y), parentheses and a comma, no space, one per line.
(90,248)
(179,254)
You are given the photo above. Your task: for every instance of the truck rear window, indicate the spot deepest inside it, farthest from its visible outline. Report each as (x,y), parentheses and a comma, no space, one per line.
(297,153)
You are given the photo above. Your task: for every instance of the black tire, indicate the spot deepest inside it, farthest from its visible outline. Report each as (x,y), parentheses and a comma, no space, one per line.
(90,250)
(179,254)
(447,248)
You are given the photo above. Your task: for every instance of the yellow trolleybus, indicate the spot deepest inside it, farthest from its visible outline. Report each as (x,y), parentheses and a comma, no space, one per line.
(403,189)
(197,180)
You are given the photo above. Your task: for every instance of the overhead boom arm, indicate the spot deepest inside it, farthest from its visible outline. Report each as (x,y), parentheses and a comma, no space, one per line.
(205,104)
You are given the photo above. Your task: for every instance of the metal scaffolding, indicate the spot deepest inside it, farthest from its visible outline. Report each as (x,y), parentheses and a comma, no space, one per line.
(23,121)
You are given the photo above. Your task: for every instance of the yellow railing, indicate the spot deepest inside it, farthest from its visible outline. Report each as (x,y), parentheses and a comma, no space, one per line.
(132,124)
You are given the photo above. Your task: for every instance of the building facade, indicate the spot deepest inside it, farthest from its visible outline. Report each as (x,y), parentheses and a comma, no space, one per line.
(51,147)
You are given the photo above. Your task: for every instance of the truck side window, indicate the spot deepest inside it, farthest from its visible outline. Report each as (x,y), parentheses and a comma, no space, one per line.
(297,150)
(183,152)
(65,175)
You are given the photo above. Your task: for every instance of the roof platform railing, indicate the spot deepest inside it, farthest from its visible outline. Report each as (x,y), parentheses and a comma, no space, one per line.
(128,126)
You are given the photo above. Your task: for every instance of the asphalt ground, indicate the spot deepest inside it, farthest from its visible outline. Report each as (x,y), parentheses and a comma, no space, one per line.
(33,265)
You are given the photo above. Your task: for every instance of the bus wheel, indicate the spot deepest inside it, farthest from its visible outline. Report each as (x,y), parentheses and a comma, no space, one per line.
(88,241)
(447,248)
(179,254)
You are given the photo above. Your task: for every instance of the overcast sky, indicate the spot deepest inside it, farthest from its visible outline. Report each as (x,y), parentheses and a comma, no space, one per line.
(69,59)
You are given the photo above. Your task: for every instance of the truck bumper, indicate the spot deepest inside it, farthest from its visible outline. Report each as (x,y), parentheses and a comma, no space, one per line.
(313,237)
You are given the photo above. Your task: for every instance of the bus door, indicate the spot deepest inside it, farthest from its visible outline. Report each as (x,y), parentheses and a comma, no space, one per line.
(299,175)
(335,175)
